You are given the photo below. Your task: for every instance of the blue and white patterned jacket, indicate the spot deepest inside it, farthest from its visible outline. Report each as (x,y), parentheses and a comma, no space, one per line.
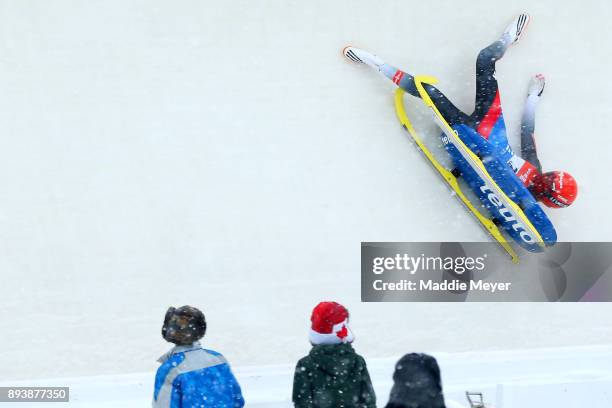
(191,377)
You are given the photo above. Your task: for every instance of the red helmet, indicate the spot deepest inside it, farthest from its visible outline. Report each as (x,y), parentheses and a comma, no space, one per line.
(558,189)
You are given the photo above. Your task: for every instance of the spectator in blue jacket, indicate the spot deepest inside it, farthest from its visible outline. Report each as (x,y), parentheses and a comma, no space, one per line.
(190,376)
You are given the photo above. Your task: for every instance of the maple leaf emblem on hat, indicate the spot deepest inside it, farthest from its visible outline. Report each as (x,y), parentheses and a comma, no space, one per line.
(342,333)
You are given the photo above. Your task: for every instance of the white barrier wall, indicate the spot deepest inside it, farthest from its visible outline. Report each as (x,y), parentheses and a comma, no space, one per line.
(545,378)
(569,392)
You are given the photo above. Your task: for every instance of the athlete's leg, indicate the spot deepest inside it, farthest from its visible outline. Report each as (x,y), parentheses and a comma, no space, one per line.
(487,89)
(406,81)
(487,104)
(528,146)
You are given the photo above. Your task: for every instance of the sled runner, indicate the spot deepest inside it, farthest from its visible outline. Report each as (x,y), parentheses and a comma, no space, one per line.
(511,206)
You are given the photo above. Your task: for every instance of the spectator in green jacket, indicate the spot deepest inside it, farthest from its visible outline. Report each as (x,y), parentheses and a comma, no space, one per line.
(332,375)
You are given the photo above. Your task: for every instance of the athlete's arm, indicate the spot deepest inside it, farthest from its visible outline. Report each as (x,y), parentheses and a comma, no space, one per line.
(528,147)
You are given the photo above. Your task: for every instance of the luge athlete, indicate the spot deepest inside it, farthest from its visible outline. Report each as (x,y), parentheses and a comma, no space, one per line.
(555,189)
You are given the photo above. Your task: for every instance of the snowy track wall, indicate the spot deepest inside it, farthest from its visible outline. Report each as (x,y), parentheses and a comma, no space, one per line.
(225,155)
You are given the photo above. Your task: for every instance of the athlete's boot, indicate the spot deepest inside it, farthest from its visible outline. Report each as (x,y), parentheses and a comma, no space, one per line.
(516,29)
(536,85)
(362,57)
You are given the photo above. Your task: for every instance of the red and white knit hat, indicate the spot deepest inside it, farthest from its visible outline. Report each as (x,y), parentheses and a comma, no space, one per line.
(330,324)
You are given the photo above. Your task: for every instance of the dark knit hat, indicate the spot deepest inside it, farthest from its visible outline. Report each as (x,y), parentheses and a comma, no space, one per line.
(183,326)
(416,383)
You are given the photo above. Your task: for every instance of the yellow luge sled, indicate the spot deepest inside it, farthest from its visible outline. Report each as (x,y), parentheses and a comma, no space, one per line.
(448,176)
(475,161)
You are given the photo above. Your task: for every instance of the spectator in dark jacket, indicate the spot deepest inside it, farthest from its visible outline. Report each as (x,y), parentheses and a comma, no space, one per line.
(332,375)
(416,383)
